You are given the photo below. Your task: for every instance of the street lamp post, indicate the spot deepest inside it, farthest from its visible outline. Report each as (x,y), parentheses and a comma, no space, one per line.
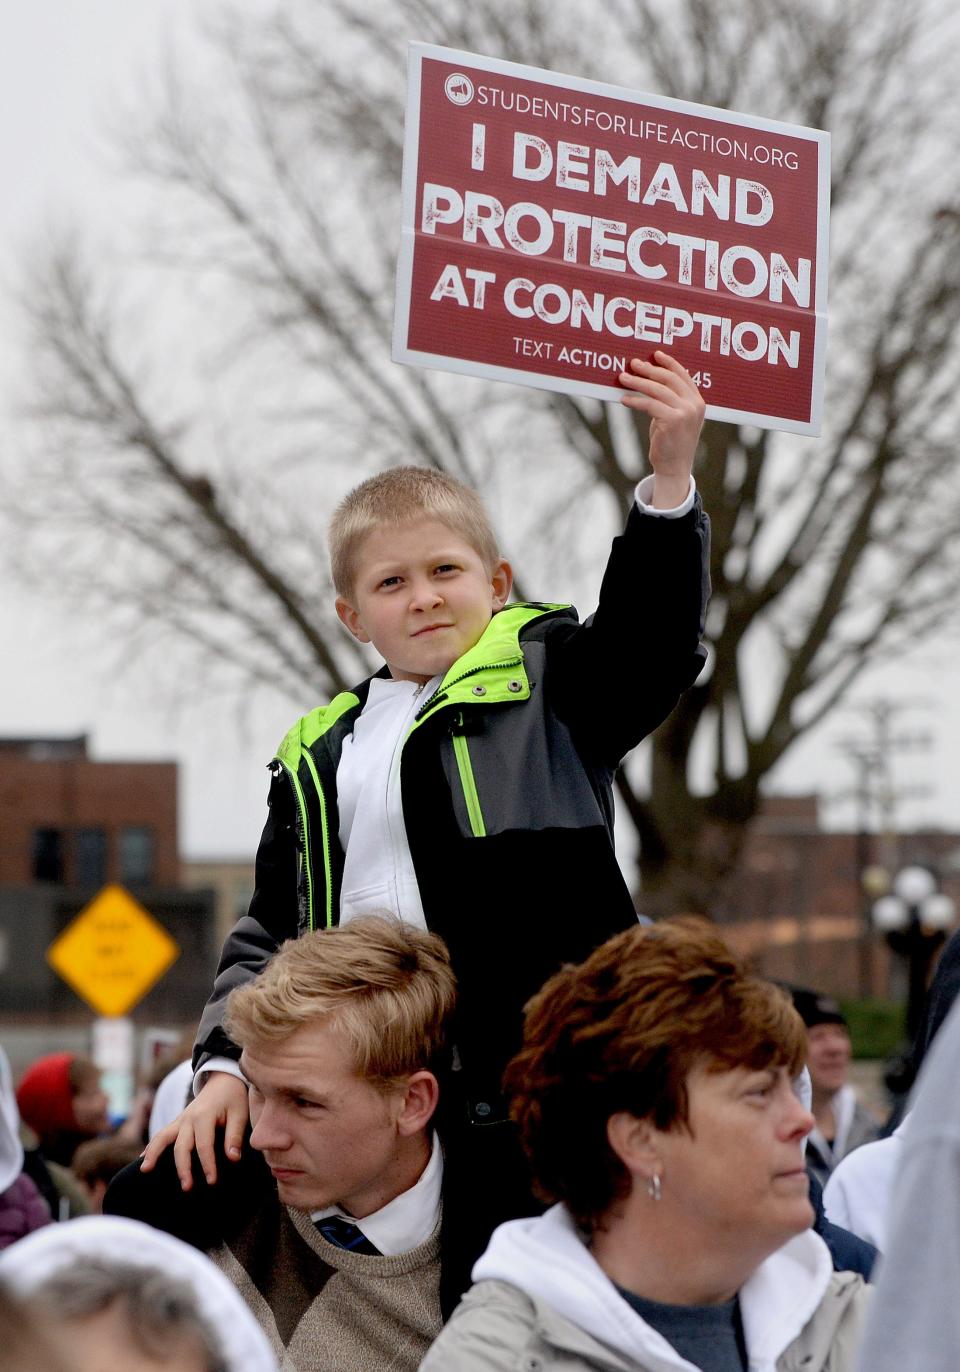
(914,919)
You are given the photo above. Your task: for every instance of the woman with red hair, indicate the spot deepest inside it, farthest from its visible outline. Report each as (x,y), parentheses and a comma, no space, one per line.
(654,1098)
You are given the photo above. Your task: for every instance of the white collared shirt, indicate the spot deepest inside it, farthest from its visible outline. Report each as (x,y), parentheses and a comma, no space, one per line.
(406,1221)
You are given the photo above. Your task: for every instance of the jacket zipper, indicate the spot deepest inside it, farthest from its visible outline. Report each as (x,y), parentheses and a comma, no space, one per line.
(461,749)
(304,835)
(325,834)
(468,781)
(442,691)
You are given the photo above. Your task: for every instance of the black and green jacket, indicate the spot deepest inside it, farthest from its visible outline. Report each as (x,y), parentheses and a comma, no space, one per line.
(506,784)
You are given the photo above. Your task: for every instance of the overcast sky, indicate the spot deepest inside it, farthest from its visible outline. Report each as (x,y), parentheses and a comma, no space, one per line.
(61,65)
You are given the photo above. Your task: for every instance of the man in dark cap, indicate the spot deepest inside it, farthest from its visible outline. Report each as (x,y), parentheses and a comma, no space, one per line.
(842,1122)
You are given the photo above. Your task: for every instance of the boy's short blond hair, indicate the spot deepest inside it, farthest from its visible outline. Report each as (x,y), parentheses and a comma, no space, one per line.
(397,497)
(386,986)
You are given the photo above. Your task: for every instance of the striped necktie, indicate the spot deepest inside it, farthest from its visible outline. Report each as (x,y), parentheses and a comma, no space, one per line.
(342,1234)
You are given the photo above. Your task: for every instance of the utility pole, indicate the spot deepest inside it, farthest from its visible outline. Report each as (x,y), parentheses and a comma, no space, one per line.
(871,754)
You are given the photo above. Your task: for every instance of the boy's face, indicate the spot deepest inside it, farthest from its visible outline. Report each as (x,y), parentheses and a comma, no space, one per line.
(422,596)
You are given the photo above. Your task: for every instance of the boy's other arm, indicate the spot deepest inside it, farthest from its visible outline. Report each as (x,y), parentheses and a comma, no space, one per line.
(271,919)
(616,677)
(221,1104)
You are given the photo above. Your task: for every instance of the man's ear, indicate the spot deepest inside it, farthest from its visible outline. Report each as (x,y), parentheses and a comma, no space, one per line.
(350,617)
(420,1097)
(502,583)
(635,1142)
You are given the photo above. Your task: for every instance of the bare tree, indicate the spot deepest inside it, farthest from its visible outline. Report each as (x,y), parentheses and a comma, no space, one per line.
(210,448)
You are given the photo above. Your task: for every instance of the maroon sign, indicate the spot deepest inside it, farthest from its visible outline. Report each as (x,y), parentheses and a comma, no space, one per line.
(554,228)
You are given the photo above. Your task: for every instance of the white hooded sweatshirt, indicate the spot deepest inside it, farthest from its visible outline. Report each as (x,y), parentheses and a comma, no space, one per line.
(857,1194)
(541,1301)
(915,1322)
(11,1149)
(28,1264)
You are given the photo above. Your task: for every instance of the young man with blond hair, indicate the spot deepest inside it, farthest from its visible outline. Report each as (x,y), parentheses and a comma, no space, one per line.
(331,1226)
(467,786)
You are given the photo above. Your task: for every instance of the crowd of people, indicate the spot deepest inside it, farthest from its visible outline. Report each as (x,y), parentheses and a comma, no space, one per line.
(451,1105)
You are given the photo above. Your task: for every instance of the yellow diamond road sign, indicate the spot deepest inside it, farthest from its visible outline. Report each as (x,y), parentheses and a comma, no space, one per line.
(113,952)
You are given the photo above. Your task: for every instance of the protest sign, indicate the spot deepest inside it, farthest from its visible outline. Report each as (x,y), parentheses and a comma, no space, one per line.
(553,228)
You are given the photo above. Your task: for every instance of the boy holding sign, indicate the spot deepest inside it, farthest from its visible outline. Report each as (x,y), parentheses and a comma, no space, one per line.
(467,786)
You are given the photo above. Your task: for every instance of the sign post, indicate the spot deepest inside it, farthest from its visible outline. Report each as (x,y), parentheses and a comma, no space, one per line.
(553,228)
(111,953)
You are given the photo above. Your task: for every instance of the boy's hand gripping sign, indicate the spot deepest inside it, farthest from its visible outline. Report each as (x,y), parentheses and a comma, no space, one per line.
(554,228)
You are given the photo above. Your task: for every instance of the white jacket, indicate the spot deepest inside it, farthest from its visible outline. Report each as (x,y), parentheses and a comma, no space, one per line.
(32,1261)
(11,1149)
(541,1301)
(915,1322)
(857,1194)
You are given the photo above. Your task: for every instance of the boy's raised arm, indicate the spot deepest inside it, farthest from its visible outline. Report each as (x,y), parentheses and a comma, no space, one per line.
(641,648)
(664,390)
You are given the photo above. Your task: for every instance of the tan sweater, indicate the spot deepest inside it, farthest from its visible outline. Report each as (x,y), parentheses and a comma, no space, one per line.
(326,1309)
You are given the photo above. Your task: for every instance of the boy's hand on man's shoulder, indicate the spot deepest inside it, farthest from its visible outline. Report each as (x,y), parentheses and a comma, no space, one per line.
(221,1101)
(664,390)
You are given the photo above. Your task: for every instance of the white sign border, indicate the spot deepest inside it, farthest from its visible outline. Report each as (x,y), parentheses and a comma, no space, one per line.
(408,199)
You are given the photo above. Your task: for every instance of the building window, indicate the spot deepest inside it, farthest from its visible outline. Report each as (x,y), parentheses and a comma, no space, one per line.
(47,855)
(90,857)
(136,855)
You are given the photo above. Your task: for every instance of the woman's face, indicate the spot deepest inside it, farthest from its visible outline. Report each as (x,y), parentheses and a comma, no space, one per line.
(90,1105)
(739,1168)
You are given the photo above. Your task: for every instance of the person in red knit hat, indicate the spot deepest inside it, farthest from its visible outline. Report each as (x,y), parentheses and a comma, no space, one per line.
(62,1101)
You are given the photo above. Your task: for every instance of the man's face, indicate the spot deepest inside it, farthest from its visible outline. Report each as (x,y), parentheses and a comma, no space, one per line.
(828,1056)
(422,596)
(329,1137)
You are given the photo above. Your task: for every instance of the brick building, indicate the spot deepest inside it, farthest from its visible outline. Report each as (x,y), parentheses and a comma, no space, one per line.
(230,879)
(70,825)
(72,821)
(798,907)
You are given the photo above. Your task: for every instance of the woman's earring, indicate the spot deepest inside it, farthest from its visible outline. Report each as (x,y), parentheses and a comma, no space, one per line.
(653,1187)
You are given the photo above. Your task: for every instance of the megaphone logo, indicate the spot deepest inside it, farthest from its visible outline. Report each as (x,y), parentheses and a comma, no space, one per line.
(459,88)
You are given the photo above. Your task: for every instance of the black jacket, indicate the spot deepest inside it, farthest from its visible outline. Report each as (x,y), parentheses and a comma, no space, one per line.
(849,1252)
(534,721)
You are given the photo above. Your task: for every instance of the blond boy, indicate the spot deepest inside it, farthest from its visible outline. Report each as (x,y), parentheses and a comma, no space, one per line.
(467,786)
